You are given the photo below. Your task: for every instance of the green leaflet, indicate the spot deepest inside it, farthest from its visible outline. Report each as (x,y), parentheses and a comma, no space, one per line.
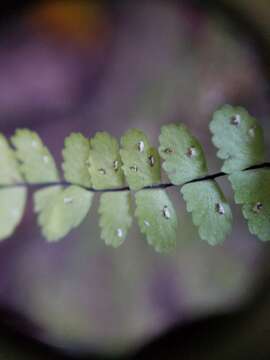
(252,191)
(210,211)
(37,163)
(157,219)
(12,205)
(115,217)
(239,138)
(106,172)
(12,200)
(141,161)
(250,185)
(183,154)
(258,223)
(105,162)
(60,210)
(9,167)
(76,157)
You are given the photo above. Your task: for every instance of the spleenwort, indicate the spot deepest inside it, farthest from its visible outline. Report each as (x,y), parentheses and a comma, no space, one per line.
(133,168)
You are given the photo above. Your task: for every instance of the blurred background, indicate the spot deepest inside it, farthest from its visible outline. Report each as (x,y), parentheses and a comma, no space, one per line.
(88,66)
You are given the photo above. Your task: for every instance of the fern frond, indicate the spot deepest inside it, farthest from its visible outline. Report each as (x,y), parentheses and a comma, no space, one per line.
(99,164)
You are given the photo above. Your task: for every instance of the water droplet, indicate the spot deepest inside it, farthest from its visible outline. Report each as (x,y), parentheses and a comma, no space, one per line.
(119,233)
(257,207)
(167,151)
(191,151)
(102,171)
(140,146)
(146,223)
(34,144)
(166,212)
(235,119)
(134,168)
(251,131)
(46,159)
(220,209)
(68,200)
(116,165)
(151,160)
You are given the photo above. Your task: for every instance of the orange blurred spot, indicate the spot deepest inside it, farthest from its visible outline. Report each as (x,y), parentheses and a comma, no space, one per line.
(83,22)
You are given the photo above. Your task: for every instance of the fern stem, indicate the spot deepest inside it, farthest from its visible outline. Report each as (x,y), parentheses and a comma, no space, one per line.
(126,188)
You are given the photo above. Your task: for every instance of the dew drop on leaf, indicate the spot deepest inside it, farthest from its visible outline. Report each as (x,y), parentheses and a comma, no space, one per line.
(257,207)
(134,168)
(140,146)
(236,119)
(191,152)
(166,212)
(119,233)
(251,132)
(68,200)
(151,160)
(220,209)
(102,171)
(146,223)
(115,165)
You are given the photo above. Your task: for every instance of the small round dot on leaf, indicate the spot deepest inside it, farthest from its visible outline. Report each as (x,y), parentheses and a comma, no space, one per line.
(140,146)
(220,209)
(166,212)
(119,232)
(167,151)
(102,171)
(235,119)
(68,200)
(151,160)
(251,132)
(134,168)
(257,207)
(116,165)
(191,152)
